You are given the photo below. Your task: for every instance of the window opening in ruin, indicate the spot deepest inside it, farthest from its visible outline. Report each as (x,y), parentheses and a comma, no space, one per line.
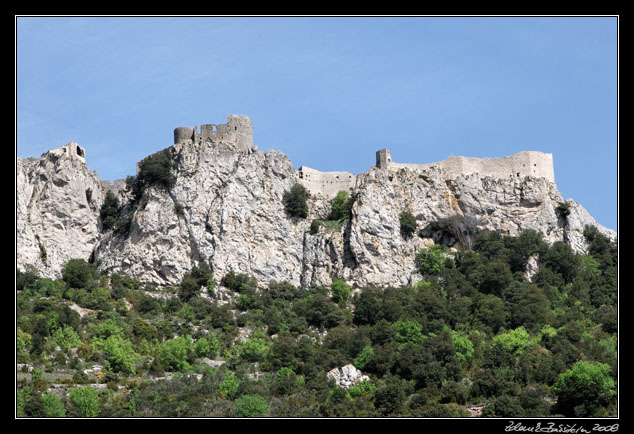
(518,174)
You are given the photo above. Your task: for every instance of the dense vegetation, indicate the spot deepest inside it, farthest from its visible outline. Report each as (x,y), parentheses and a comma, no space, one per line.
(474,331)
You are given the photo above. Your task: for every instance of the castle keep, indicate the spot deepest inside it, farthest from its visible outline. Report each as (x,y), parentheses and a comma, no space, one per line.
(238,130)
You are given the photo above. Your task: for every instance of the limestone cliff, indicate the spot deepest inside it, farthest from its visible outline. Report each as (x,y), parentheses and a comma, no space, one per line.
(226,209)
(57,209)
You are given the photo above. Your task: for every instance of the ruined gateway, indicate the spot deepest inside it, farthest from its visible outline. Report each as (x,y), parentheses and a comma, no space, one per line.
(226,210)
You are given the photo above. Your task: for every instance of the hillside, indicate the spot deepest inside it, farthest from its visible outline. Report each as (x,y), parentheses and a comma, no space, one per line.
(219,281)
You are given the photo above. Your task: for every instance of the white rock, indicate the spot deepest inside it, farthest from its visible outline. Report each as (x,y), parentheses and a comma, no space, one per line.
(347,376)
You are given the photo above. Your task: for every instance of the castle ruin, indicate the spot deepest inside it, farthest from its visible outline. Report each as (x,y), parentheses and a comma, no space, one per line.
(71,149)
(238,130)
(526,163)
(326,183)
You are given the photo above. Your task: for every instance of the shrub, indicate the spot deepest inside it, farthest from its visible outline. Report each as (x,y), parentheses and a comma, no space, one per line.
(583,388)
(53,405)
(154,170)
(340,291)
(251,406)
(77,273)
(175,354)
(408,223)
(430,260)
(207,347)
(189,288)
(109,211)
(87,399)
(295,201)
(341,207)
(563,209)
(229,385)
(515,341)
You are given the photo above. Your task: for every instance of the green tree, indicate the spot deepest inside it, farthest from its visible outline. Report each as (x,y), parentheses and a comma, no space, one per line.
(175,354)
(431,259)
(228,387)
(154,170)
(251,406)
(366,353)
(53,405)
(119,353)
(341,206)
(389,397)
(255,349)
(77,273)
(87,400)
(189,288)
(582,389)
(207,346)
(295,201)
(109,210)
(340,291)
(66,338)
(408,332)
(514,341)
(408,223)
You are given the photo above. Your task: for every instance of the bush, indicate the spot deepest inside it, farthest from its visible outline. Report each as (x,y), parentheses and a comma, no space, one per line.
(239,282)
(583,388)
(176,353)
(189,288)
(251,406)
(340,291)
(154,170)
(87,400)
(408,223)
(341,207)
(77,273)
(430,260)
(109,211)
(295,201)
(207,347)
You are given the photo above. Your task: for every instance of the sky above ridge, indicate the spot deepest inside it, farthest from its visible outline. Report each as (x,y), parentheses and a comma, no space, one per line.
(330,91)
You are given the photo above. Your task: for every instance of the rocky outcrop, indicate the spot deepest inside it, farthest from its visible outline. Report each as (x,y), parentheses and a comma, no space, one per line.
(346,376)
(226,209)
(57,209)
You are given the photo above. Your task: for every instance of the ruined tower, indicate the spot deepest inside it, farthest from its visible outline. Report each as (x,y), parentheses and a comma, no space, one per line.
(383,158)
(237,130)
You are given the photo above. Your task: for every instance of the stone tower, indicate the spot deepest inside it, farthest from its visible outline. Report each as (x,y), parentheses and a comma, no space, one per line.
(383,158)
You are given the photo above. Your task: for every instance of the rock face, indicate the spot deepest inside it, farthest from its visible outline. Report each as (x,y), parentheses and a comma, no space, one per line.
(346,376)
(57,209)
(226,209)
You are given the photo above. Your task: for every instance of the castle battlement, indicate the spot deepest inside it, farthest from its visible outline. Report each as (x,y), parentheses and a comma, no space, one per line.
(525,163)
(238,130)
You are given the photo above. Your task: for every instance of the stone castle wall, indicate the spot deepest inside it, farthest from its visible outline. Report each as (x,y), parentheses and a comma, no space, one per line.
(526,163)
(326,183)
(238,130)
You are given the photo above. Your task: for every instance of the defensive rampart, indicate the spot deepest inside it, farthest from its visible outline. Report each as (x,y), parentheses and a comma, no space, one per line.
(326,183)
(525,163)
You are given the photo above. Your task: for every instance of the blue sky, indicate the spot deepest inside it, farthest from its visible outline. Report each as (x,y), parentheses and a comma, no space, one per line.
(330,91)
